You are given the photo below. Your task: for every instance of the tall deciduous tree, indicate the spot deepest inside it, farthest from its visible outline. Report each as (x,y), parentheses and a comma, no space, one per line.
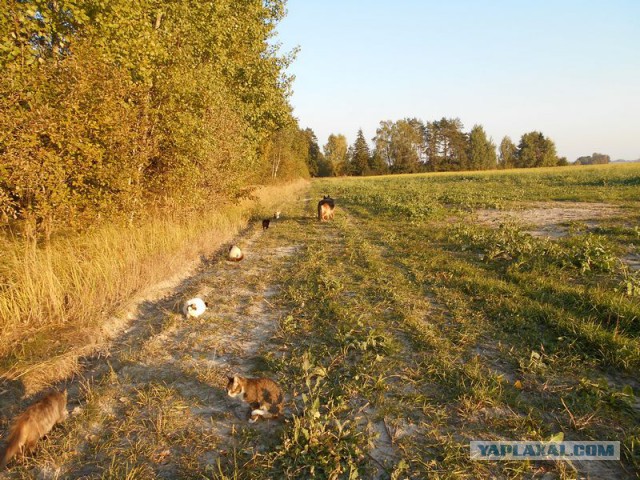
(108,106)
(535,150)
(507,158)
(482,151)
(335,152)
(400,145)
(314,155)
(407,144)
(287,152)
(383,142)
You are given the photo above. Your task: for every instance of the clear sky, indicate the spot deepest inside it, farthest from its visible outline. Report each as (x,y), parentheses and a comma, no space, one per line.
(567,68)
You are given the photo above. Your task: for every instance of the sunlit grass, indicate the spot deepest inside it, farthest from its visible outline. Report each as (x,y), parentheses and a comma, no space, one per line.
(57,302)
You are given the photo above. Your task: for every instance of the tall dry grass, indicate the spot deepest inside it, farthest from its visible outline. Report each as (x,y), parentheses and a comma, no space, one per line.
(56,301)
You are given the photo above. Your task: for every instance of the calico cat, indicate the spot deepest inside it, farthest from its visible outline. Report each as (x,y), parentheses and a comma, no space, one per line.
(263,395)
(34,423)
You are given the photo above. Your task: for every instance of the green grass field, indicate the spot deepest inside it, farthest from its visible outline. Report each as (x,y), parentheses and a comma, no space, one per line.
(434,310)
(444,330)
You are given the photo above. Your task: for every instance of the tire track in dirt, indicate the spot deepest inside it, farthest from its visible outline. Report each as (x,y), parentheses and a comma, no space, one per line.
(382,429)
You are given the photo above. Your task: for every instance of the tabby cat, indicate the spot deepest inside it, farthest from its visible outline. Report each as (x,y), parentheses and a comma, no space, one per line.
(34,423)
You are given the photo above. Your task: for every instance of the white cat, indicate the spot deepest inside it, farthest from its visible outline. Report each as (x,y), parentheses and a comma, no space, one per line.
(235,254)
(194,308)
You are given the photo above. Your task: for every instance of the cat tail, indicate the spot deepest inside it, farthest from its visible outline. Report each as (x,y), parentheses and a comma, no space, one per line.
(15,442)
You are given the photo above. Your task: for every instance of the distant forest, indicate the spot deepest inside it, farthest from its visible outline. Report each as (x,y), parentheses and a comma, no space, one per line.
(411,145)
(112,110)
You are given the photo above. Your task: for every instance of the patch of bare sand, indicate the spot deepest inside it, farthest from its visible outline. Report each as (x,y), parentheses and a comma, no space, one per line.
(549,219)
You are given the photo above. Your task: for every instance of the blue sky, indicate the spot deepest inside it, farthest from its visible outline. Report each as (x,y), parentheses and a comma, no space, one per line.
(567,68)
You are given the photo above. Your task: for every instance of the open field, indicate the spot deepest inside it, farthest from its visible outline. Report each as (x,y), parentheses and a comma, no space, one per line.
(434,310)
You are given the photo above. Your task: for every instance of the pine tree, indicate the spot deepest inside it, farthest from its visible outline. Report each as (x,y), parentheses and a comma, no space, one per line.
(360,156)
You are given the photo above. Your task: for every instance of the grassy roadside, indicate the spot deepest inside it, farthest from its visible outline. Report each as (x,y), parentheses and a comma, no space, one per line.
(60,302)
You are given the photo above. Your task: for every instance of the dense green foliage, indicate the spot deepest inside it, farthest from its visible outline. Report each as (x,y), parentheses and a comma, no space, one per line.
(507,153)
(400,145)
(108,108)
(535,150)
(335,156)
(482,151)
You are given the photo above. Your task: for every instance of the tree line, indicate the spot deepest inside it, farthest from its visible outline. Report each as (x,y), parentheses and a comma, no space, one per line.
(110,109)
(411,145)
(595,159)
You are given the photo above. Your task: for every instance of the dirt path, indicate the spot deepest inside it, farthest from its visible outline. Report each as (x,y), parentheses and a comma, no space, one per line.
(155,404)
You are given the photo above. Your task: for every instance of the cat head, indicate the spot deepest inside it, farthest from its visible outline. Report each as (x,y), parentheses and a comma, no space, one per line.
(235,386)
